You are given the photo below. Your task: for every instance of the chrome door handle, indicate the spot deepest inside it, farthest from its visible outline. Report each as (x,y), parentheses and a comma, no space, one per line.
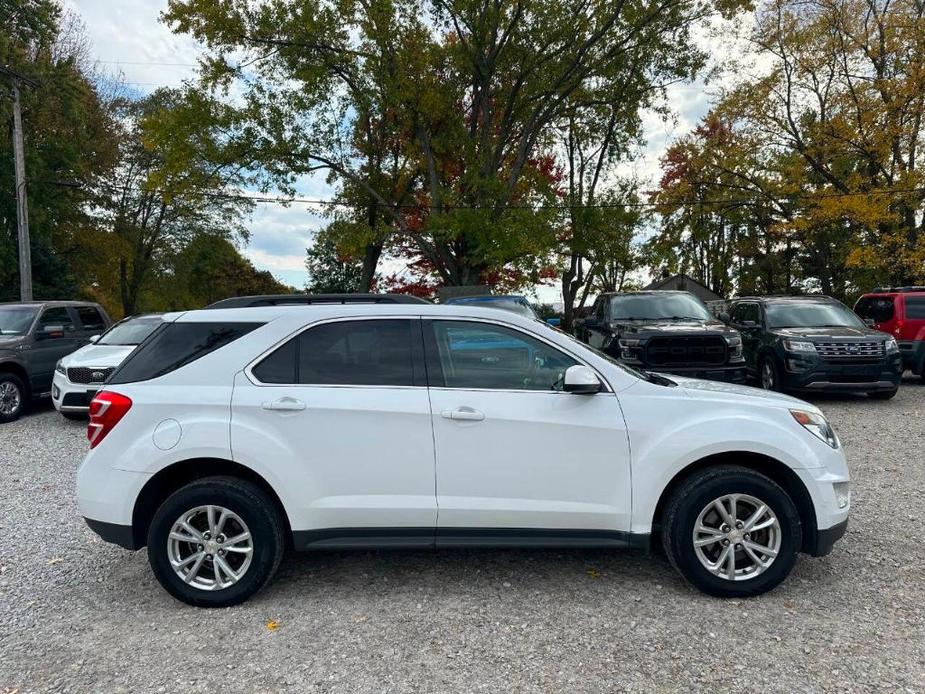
(285,404)
(464,413)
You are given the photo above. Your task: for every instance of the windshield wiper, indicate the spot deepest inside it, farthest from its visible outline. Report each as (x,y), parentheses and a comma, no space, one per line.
(678,318)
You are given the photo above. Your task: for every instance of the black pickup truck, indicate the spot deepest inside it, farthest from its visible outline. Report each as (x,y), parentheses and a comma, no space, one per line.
(666,331)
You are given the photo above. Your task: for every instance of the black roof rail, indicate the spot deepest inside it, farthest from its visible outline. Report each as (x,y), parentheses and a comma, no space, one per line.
(898,290)
(309,299)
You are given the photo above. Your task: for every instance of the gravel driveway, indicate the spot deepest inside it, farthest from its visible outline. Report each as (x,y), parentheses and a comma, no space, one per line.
(79,615)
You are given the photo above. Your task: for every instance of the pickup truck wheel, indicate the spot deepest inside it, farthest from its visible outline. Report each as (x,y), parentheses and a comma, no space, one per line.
(12,397)
(769,375)
(215,542)
(731,531)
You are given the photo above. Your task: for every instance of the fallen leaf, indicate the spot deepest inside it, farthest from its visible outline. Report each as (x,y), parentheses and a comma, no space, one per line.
(56,560)
(272,625)
(594,573)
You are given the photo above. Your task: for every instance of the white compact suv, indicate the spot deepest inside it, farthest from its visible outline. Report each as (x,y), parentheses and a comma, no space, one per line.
(80,374)
(232,434)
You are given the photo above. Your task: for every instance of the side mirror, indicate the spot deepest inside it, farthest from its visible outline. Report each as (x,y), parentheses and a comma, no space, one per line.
(93,339)
(49,332)
(554,322)
(723,316)
(581,380)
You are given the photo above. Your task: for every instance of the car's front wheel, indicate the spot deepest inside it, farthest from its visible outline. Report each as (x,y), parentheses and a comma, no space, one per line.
(770,377)
(731,531)
(12,397)
(215,542)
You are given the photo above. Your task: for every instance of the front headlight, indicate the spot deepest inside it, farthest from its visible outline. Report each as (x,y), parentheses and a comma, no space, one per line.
(735,346)
(817,425)
(891,346)
(60,369)
(628,343)
(799,346)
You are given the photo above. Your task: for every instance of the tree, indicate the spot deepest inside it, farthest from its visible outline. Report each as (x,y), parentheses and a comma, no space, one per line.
(177,179)
(329,270)
(466,104)
(68,145)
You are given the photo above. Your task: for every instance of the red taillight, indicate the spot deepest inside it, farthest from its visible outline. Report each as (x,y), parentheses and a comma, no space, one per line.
(106,409)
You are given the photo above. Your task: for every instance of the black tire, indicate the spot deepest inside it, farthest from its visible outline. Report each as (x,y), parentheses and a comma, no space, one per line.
(252,505)
(883,394)
(770,363)
(13,387)
(75,416)
(693,496)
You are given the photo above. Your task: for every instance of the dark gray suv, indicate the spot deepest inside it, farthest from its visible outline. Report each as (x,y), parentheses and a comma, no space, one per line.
(33,337)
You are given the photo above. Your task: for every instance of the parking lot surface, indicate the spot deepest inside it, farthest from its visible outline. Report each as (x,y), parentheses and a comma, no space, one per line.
(79,615)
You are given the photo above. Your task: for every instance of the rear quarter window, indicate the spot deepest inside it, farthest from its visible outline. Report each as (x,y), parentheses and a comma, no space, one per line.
(174,345)
(876,308)
(915,307)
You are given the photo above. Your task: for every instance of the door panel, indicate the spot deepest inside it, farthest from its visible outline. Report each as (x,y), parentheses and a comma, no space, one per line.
(45,352)
(521,455)
(342,415)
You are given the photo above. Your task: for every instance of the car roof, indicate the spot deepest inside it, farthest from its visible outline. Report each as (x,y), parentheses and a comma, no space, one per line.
(643,292)
(311,312)
(484,297)
(49,303)
(309,299)
(784,298)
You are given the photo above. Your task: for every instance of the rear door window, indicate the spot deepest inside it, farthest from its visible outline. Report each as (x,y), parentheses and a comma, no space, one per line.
(346,353)
(91,319)
(57,316)
(879,309)
(915,307)
(174,345)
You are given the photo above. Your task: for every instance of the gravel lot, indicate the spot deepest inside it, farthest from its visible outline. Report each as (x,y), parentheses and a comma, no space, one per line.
(79,615)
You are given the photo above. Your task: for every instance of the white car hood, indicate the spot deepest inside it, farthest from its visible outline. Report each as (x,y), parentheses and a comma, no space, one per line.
(732,392)
(98,355)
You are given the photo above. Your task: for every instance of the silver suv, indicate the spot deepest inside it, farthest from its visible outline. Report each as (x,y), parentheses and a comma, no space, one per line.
(33,337)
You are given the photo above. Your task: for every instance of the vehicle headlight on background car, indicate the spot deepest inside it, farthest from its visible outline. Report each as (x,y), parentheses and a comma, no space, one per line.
(817,425)
(59,367)
(734,342)
(799,346)
(891,346)
(628,348)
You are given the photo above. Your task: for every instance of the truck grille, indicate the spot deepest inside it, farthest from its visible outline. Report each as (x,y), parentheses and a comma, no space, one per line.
(703,350)
(83,374)
(850,352)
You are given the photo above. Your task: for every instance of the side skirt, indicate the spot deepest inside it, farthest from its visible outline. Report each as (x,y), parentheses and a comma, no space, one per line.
(423,538)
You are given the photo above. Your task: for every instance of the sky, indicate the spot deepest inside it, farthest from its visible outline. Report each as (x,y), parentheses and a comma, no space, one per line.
(128,40)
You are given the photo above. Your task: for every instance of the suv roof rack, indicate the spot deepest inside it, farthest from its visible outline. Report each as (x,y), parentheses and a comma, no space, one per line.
(899,290)
(308,299)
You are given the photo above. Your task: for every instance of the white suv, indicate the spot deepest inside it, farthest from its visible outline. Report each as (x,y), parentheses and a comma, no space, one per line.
(80,374)
(231,434)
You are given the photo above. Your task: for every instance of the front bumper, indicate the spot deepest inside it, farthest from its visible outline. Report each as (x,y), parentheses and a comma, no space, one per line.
(727,374)
(809,373)
(913,355)
(72,397)
(825,539)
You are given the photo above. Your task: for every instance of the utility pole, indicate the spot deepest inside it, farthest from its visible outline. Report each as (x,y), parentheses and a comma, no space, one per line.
(22,208)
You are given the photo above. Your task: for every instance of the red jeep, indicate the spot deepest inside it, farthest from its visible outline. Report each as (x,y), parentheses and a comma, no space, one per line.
(899,311)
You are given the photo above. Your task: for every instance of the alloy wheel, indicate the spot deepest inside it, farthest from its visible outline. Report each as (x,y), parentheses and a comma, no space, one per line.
(767,375)
(737,537)
(210,547)
(10,398)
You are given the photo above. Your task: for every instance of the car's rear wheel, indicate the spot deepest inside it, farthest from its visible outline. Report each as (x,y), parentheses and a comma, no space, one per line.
(731,531)
(215,542)
(883,394)
(770,377)
(12,397)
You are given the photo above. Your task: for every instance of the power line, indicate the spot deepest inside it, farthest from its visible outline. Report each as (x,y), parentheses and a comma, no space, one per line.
(296,200)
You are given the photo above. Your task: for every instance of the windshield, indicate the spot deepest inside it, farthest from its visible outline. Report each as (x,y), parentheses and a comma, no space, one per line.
(15,320)
(130,332)
(811,314)
(655,306)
